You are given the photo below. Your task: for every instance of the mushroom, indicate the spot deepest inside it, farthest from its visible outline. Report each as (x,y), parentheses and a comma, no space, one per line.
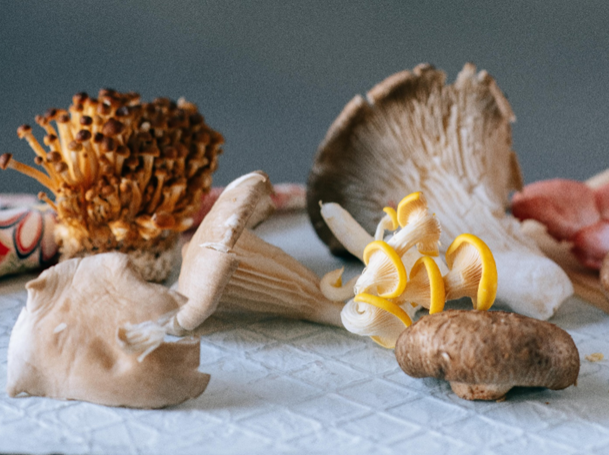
(380,319)
(484,354)
(93,330)
(227,265)
(412,132)
(473,272)
(425,287)
(101,142)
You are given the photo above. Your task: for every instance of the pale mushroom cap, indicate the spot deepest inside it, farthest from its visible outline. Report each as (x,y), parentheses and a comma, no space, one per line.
(404,137)
(68,344)
(489,348)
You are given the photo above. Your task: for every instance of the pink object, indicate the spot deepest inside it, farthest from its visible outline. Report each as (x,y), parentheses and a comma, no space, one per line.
(571,211)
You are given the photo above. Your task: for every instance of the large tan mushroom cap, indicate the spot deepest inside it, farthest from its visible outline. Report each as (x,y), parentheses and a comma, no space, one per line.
(226,265)
(453,142)
(72,339)
(484,354)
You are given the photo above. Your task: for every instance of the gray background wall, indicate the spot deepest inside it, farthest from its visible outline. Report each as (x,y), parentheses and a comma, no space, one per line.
(273,75)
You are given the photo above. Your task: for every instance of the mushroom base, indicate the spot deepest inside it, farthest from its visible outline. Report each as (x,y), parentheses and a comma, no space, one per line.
(154,259)
(479,391)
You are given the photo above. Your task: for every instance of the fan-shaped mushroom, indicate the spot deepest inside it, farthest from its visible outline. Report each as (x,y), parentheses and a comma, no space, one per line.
(92,330)
(227,265)
(484,354)
(453,142)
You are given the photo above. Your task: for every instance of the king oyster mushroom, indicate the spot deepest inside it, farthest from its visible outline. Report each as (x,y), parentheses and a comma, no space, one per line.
(453,142)
(227,265)
(92,330)
(485,354)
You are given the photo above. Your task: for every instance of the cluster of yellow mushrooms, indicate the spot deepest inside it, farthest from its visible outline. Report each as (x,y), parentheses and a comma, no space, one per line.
(403,271)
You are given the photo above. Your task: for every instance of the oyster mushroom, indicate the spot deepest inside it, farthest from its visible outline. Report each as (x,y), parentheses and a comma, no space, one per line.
(412,132)
(376,317)
(92,330)
(472,272)
(425,287)
(226,265)
(485,354)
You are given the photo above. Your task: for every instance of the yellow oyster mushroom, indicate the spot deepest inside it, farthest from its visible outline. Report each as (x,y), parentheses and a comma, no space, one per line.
(380,319)
(426,286)
(388,223)
(388,275)
(473,272)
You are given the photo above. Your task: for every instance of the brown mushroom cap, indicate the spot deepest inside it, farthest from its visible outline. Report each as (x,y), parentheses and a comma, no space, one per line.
(397,139)
(484,354)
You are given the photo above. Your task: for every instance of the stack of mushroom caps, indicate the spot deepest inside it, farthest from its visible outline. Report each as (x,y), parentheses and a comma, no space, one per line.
(126,176)
(453,142)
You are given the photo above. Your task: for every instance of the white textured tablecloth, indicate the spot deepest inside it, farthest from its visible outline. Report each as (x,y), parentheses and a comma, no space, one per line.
(296,387)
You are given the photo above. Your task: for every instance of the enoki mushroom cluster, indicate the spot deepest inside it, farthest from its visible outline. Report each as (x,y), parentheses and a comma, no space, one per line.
(126,176)
(400,273)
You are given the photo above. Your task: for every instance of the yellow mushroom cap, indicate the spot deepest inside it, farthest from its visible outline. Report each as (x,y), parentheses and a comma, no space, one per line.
(389,307)
(391,278)
(412,205)
(393,216)
(473,271)
(388,222)
(426,285)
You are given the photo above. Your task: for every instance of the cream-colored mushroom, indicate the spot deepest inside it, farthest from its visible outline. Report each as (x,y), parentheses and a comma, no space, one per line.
(227,265)
(332,287)
(378,318)
(412,132)
(92,330)
(385,273)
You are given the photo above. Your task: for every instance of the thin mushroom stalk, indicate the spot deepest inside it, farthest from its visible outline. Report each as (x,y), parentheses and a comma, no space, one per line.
(226,265)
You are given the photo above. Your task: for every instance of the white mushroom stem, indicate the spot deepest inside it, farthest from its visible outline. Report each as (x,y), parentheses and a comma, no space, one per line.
(269,281)
(332,286)
(348,231)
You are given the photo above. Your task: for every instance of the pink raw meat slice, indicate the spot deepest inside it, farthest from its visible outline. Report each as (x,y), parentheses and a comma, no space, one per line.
(602,200)
(591,244)
(563,206)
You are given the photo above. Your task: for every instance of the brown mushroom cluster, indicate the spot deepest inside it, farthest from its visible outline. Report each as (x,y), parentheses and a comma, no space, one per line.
(126,176)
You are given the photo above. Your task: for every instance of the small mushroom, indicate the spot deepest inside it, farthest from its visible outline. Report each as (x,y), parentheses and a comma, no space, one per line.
(473,272)
(380,319)
(484,354)
(425,287)
(453,141)
(93,330)
(226,265)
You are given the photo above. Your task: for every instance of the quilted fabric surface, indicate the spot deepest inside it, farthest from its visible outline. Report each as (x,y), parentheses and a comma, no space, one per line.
(280,386)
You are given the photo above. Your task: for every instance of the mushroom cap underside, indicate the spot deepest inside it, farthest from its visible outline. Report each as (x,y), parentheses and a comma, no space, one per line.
(489,348)
(414,133)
